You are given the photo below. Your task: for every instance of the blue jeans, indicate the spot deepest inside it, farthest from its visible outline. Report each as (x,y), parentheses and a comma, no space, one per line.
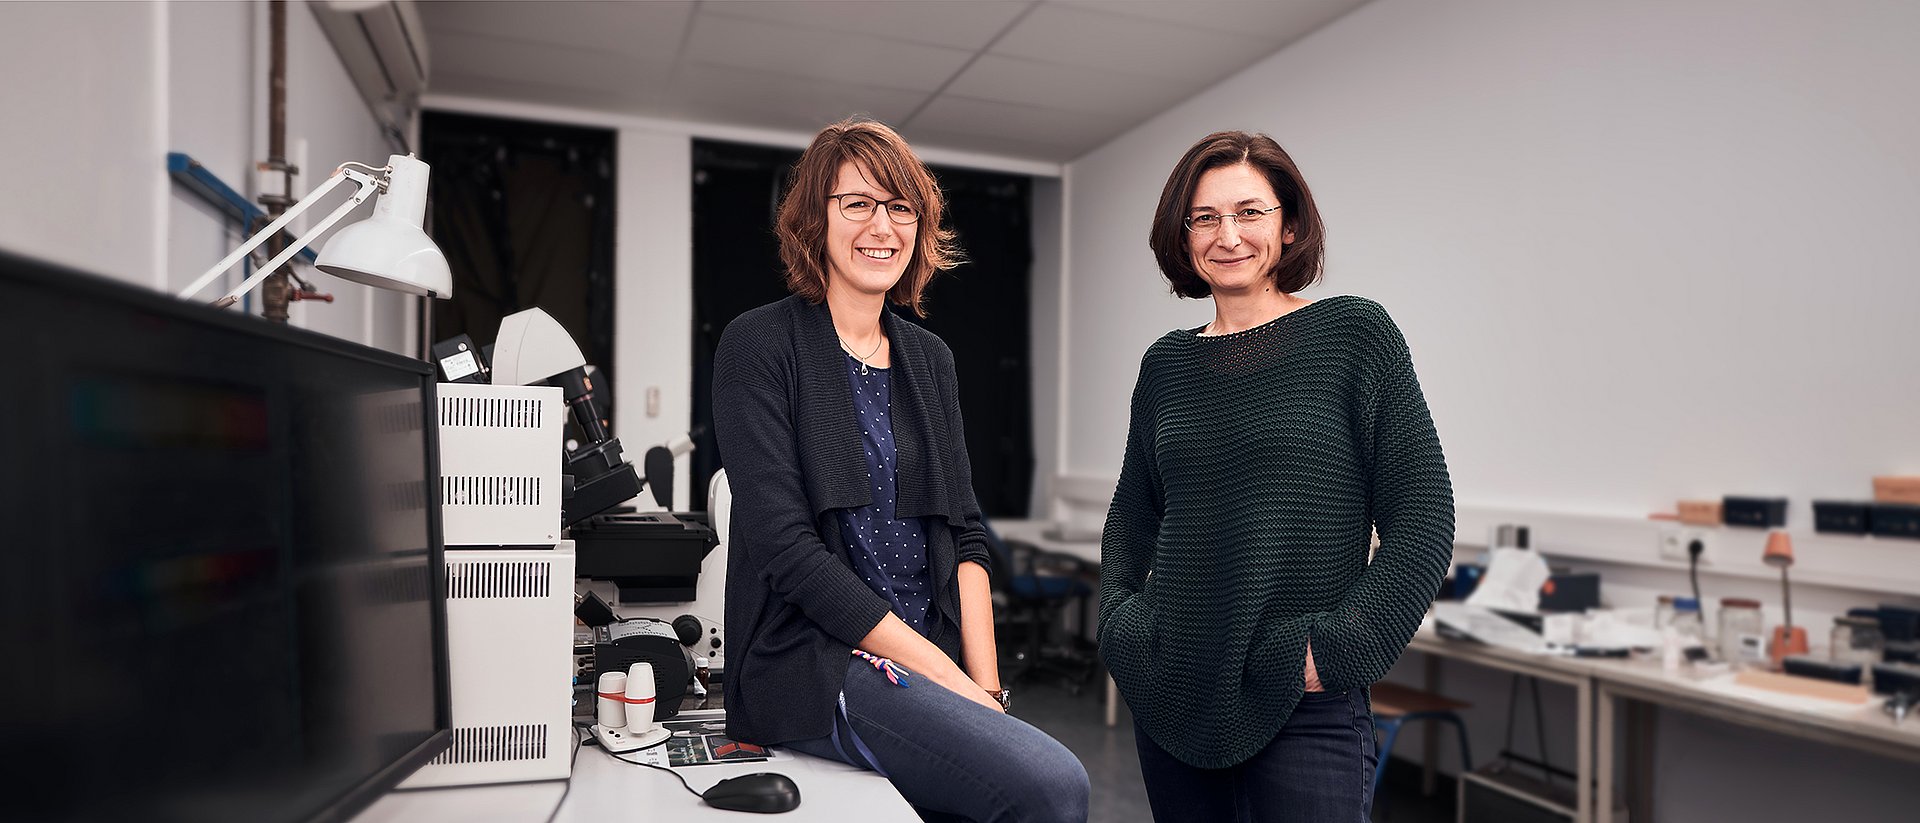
(1319,767)
(951,757)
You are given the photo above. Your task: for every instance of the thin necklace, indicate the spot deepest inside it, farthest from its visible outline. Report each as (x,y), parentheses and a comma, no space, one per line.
(856,355)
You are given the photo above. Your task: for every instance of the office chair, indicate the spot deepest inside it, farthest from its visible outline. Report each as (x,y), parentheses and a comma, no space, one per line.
(1395,705)
(1043,597)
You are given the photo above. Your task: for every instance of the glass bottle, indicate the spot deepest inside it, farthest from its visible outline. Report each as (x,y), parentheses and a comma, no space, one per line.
(1743,641)
(1687,622)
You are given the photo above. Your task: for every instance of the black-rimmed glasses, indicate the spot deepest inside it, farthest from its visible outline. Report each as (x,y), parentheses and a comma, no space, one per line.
(859,207)
(1209,222)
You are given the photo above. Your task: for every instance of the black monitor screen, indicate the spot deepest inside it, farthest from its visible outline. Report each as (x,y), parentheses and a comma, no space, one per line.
(218,557)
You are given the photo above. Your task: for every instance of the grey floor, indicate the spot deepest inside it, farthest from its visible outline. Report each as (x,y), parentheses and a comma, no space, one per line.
(1113,767)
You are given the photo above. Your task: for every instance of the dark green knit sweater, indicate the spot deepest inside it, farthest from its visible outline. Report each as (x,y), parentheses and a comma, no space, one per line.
(1256,464)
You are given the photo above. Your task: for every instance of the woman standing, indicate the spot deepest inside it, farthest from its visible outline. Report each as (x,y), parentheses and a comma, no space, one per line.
(1239,612)
(859,620)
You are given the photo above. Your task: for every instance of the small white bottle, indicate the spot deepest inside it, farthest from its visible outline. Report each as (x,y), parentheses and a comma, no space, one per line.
(640,697)
(610,707)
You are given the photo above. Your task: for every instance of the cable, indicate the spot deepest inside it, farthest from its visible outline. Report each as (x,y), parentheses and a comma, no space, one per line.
(676,775)
(578,743)
(1694,549)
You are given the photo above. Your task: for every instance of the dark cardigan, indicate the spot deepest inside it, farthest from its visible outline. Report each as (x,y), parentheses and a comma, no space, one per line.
(783,415)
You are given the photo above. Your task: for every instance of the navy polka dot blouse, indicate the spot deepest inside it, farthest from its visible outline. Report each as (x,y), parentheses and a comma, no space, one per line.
(889,553)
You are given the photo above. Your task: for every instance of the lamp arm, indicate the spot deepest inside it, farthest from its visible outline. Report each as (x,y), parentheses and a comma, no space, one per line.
(1786,598)
(366,189)
(367,183)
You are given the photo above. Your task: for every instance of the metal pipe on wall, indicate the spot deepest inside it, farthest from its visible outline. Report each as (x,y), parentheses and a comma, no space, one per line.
(277,292)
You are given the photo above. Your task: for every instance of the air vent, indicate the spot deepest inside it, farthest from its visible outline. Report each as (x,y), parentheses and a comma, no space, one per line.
(495,744)
(498,579)
(490,412)
(490,490)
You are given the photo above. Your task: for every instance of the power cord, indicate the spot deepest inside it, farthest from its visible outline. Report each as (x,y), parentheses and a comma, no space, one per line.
(1695,548)
(676,775)
(578,742)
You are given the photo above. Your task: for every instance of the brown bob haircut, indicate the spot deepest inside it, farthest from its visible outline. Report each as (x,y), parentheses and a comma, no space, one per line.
(1300,262)
(892,165)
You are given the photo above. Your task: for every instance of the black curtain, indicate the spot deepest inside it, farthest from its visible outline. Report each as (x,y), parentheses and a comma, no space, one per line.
(524,212)
(980,309)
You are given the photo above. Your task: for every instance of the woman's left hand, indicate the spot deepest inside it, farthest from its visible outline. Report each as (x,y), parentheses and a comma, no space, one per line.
(1312,674)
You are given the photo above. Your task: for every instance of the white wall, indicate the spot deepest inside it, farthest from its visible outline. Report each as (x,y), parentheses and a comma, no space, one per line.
(105,90)
(653,297)
(1623,239)
(328,123)
(84,135)
(1642,250)
(212,116)
(1046,313)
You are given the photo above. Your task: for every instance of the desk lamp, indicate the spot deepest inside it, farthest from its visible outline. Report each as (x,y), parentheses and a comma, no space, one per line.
(1788,639)
(388,250)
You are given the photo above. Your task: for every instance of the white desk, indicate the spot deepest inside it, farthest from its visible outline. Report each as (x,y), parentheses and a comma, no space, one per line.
(606,790)
(1599,683)
(1865,728)
(1578,673)
(1033,532)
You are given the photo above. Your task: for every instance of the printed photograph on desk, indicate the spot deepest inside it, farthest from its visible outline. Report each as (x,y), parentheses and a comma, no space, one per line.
(704,741)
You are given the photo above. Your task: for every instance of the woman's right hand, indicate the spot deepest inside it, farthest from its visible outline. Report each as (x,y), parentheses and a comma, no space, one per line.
(896,641)
(1311,674)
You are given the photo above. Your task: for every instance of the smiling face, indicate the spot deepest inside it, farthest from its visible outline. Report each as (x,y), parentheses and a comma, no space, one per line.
(1236,258)
(867,256)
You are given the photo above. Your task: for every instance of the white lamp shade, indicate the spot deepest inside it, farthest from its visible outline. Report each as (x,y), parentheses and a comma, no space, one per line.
(389,250)
(388,254)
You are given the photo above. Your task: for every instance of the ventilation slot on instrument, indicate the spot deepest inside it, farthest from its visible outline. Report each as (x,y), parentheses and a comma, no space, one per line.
(490,412)
(489,490)
(498,579)
(495,744)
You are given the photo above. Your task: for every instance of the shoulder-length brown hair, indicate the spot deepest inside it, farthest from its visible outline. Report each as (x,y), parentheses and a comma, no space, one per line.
(1300,262)
(802,224)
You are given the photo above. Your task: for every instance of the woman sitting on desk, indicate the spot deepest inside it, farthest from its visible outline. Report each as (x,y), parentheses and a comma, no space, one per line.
(1238,611)
(857,582)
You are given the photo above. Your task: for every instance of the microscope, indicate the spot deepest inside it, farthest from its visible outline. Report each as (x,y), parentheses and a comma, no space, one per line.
(534,350)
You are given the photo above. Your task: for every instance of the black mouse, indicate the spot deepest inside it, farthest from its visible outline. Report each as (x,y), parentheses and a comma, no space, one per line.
(763,792)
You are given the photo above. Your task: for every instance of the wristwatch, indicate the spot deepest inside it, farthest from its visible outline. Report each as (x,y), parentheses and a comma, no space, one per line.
(1005,696)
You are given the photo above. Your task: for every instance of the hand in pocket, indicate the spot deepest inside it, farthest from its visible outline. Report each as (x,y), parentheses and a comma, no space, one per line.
(1312,674)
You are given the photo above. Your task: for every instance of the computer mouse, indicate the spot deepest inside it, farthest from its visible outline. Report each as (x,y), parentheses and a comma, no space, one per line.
(763,792)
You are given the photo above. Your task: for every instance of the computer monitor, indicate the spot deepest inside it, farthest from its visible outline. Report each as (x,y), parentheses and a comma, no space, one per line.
(220,561)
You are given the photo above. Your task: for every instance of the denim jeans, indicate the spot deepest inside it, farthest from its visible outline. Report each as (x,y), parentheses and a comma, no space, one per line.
(1319,767)
(951,757)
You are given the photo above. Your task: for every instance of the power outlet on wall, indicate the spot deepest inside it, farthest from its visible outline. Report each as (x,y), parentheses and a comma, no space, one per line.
(1675,539)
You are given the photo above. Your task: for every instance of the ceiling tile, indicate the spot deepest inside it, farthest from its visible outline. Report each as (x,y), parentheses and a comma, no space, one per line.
(924,139)
(766,99)
(525,61)
(1063,76)
(653,29)
(1274,22)
(569,95)
(821,55)
(1080,37)
(1006,79)
(964,24)
(1037,125)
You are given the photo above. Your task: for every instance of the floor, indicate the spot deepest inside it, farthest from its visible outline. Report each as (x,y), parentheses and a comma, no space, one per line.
(1113,767)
